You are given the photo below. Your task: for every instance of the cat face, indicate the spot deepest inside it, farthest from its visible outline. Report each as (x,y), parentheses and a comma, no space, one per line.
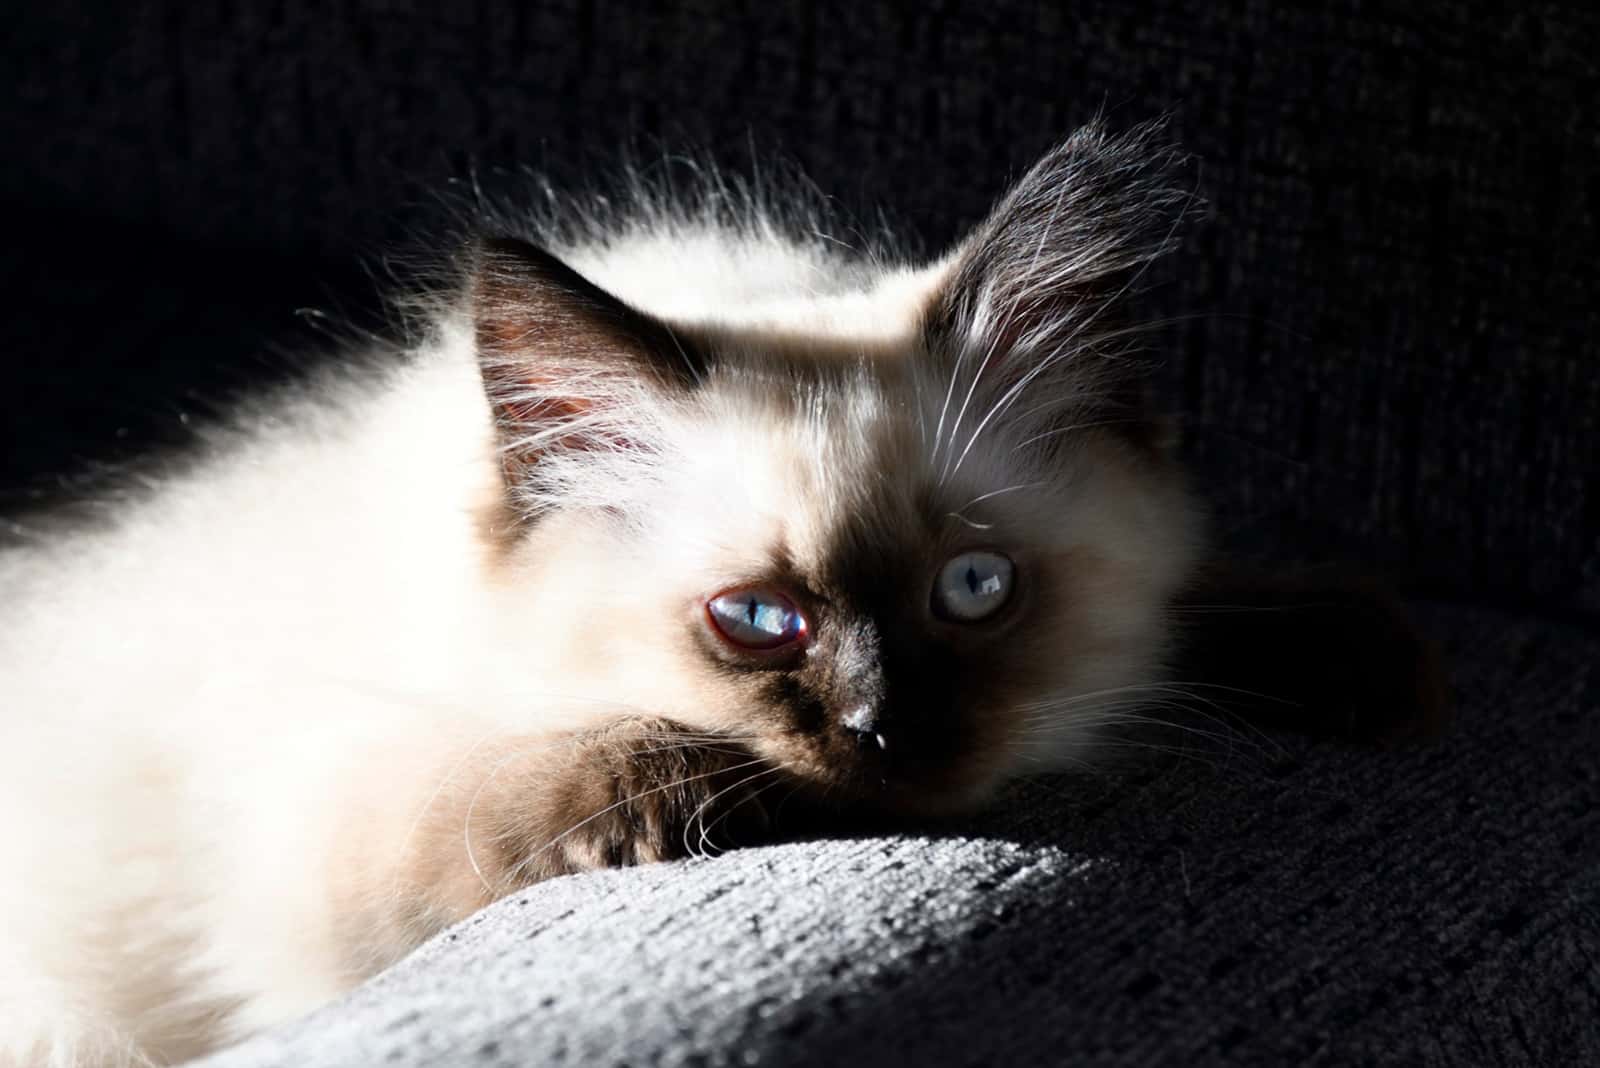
(900,567)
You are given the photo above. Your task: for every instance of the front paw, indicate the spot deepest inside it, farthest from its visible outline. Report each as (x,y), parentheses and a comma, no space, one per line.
(641,790)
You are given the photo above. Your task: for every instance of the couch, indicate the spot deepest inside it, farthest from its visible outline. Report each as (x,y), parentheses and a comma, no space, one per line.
(1381,348)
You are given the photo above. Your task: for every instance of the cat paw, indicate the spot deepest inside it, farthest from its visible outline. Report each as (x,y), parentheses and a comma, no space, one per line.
(642,790)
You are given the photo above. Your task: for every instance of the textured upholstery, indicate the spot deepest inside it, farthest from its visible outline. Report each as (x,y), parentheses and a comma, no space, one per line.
(1265,906)
(1382,348)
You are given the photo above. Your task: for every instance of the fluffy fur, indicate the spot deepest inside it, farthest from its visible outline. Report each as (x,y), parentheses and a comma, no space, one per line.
(423,631)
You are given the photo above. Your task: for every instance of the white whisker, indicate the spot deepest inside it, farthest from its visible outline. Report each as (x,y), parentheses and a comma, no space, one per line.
(675,784)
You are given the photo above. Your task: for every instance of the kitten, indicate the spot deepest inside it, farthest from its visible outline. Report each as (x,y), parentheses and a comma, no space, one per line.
(666,516)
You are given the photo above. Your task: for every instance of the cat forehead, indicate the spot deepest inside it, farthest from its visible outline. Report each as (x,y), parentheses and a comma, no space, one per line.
(717,282)
(789,441)
(803,467)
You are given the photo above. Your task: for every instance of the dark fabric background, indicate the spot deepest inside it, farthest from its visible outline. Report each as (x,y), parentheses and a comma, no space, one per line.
(1386,345)
(1383,350)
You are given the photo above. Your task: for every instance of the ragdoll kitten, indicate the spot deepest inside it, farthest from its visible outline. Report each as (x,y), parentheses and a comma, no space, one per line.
(661,512)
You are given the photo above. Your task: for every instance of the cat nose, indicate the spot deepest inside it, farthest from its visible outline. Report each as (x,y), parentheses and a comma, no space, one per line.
(862,721)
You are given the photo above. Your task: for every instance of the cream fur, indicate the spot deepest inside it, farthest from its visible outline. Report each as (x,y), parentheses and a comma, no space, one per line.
(294,642)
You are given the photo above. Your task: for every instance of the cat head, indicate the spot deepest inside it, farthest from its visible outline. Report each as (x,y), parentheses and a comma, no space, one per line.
(903,560)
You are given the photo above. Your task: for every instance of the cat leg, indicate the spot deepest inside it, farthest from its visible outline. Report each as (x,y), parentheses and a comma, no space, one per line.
(635,791)
(518,810)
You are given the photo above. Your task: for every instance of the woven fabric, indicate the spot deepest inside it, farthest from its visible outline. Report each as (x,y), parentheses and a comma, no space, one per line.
(1268,903)
(1382,348)
(1387,324)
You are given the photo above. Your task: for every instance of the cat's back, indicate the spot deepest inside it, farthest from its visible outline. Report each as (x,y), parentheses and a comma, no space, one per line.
(275,528)
(205,619)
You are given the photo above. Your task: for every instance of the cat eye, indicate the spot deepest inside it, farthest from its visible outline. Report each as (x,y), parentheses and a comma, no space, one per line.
(756,618)
(973,586)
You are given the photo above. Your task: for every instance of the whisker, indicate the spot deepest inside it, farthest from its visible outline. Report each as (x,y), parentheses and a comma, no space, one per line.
(675,784)
(411,832)
(972,387)
(996,493)
(777,812)
(1000,407)
(699,813)
(949,394)
(1139,704)
(974,524)
(1094,719)
(466,823)
(1070,429)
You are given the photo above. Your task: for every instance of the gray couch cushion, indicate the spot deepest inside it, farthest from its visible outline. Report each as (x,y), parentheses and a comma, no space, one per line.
(1267,902)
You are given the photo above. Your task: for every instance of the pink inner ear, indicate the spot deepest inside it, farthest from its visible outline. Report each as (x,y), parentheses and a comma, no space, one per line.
(528,412)
(564,363)
(521,415)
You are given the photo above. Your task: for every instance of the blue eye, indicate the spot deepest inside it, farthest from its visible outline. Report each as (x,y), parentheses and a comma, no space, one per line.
(756,618)
(973,586)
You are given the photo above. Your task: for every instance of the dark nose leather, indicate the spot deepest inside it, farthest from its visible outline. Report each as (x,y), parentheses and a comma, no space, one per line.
(863,722)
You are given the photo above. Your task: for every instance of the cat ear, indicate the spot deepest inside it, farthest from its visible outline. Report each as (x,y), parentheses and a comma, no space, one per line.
(568,367)
(1033,301)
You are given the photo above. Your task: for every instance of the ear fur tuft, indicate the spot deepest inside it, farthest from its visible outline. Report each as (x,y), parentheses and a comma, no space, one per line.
(569,369)
(1036,292)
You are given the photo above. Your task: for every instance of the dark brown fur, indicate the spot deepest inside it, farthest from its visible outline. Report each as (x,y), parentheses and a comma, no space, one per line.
(634,791)
(1318,652)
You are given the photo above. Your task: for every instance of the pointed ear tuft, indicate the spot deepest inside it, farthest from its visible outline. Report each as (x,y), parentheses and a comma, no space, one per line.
(530,307)
(1035,294)
(1064,242)
(568,367)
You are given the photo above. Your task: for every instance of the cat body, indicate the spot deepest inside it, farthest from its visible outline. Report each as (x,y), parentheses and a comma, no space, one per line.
(658,514)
